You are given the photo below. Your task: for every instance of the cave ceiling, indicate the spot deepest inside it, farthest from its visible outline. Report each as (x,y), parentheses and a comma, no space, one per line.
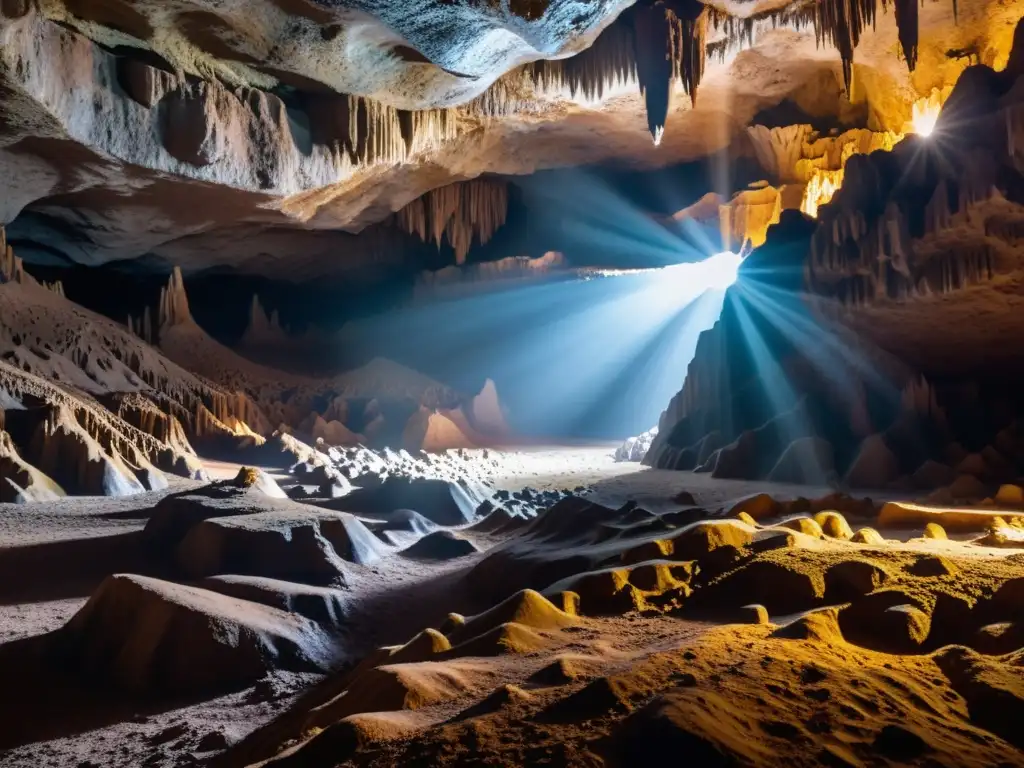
(261,136)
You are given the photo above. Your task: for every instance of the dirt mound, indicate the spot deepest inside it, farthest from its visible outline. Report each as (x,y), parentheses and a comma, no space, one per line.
(304,545)
(699,724)
(396,687)
(782,585)
(833,524)
(566,669)
(150,635)
(851,579)
(495,520)
(994,691)
(612,668)
(440,545)
(904,515)
(341,740)
(527,608)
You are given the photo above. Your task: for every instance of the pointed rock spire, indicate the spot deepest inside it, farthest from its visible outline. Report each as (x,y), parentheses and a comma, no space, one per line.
(174,302)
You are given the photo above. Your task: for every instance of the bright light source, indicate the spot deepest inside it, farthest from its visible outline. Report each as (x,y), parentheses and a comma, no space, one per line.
(925,116)
(721,270)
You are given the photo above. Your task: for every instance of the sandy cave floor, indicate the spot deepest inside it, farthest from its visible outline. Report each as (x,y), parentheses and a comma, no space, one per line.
(52,557)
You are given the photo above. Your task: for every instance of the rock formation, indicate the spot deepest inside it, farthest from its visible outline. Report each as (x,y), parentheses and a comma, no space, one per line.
(486,413)
(462,213)
(285,126)
(907,226)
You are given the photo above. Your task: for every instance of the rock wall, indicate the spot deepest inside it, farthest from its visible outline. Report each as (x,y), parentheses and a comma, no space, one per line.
(885,361)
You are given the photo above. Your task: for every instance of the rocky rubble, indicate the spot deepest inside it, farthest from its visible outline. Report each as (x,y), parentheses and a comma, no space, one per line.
(635,448)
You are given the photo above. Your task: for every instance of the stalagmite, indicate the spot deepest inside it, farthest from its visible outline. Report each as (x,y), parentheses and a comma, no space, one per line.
(263,329)
(918,396)
(459,212)
(820,190)
(11,268)
(173,302)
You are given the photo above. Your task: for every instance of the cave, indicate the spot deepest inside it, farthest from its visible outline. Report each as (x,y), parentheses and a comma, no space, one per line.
(533,382)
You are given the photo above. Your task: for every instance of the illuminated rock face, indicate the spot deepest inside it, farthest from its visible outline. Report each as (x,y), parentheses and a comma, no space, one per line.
(908,317)
(262,137)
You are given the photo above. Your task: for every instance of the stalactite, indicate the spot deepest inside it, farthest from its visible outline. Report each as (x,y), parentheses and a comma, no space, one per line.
(609,62)
(513,92)
(654,33)
(906,22)
(459,212)
(840,23)
(688,45)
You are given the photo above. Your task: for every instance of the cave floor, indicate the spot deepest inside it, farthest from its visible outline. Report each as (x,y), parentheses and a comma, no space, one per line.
(54,555)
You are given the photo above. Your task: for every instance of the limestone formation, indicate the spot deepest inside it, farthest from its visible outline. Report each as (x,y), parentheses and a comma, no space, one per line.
(462,213)
(486,414)
(173,309)
(280,125)
(20,482)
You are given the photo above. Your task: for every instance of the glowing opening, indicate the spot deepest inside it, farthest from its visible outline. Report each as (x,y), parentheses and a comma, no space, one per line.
(924,121)
(721,270)
(925,114)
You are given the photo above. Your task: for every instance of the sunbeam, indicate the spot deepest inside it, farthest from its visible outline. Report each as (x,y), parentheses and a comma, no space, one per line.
(562,352)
